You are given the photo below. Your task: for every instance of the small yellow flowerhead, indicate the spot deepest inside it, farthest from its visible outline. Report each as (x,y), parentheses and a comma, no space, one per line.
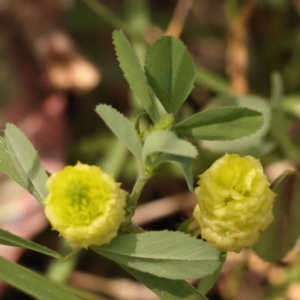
(85,205)
(234,202)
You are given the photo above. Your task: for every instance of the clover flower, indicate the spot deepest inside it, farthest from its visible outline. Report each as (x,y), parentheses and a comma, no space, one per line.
(85,205)
(234,202)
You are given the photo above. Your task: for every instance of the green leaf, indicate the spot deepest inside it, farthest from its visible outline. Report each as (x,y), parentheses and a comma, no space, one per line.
(183,162)
(281,236)
(256,144)
(207,282)
(212,81)
(137,122)
(172,255)
(32,283)
(134,73)
(167,289)
(9,239)
(122,128)
(6,164)
(167,142)
(221,124)
(291,105)
(170,72)
(187,226)
(26,162)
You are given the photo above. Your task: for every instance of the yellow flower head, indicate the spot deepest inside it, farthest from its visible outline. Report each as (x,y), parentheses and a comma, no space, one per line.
(234,202)
(85,205)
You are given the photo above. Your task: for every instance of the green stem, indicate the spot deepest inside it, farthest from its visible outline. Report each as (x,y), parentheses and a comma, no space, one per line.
(75,251)
(105,14)
(134,196)
(278,121)
(232,9)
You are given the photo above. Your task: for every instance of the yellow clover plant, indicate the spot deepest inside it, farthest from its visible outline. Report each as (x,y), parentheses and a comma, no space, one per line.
(85,205)
(234,202)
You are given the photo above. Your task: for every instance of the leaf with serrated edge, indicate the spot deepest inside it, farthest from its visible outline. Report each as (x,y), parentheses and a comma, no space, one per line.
(167,289)
(122,128)
(183,162)
(168,254)
(253,144)
(9,239)
(31,283)
(170,72)
(26,162)
(167,142)
(221,124)
(134,73)
(6,164)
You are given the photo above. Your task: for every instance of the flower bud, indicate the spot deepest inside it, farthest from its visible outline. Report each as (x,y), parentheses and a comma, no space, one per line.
(234,202)
(85,205)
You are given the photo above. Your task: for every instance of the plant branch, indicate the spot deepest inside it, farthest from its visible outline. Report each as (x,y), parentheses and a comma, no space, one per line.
(106,14)
(134,196)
